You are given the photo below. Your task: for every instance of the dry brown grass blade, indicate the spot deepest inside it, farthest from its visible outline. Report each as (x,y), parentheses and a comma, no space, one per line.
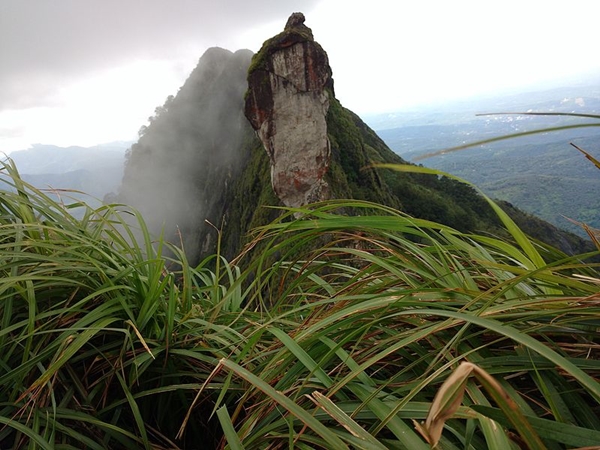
(450,395)
(588,156)
(445,403)
(139,335)
(215,371)
(593,233)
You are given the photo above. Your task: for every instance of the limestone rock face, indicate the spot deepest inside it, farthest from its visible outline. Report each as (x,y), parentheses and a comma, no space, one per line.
(289,83)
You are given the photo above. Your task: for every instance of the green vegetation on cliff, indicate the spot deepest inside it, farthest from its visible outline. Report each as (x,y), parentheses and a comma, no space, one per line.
(250,201)
(355,148)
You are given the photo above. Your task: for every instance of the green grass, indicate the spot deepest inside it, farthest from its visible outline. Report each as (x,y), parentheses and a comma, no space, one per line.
(110,339)
(102,331)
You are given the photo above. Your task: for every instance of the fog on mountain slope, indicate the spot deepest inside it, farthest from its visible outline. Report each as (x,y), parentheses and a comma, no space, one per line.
(191,147)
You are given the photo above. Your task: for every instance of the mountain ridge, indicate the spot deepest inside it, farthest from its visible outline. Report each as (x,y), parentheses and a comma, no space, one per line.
(55,159)
(79,173)
(176,173)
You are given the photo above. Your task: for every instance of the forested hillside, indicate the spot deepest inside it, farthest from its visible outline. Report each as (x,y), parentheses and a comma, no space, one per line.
(541,173)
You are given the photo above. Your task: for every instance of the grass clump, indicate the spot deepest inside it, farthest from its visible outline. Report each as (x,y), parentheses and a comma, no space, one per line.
(372,331)
(97,323)
(384,313)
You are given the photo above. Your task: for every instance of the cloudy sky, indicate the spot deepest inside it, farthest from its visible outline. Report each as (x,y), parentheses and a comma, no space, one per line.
(83,72)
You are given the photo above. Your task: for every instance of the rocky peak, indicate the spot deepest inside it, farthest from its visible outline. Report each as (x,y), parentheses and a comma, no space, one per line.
(289,84)
(296,21)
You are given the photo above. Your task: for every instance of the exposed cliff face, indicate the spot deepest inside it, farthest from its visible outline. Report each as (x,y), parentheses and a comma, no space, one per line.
(289,84)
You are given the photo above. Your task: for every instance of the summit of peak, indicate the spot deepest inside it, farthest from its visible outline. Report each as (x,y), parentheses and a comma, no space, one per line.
(295,23)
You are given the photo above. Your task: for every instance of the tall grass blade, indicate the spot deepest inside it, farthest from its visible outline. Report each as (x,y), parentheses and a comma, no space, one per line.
(563,433)
(346,421)
(228,430)
(331,438)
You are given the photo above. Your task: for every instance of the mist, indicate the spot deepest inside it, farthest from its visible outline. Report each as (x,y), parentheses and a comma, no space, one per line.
(182,165)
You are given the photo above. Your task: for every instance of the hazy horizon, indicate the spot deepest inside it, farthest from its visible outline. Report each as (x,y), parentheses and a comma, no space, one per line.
(85,74)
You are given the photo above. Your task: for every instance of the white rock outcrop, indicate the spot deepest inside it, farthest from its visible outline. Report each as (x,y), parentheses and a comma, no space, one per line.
(287,104)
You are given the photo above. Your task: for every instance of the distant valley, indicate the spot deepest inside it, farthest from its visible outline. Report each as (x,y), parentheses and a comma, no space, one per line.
(95,171)
(541,173)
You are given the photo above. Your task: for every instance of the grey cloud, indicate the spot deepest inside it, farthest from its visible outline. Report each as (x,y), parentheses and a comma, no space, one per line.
(43,42)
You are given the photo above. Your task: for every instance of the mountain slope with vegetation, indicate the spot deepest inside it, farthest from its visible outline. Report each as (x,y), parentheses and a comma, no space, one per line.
(541,174)
(552,181)
(200,173)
